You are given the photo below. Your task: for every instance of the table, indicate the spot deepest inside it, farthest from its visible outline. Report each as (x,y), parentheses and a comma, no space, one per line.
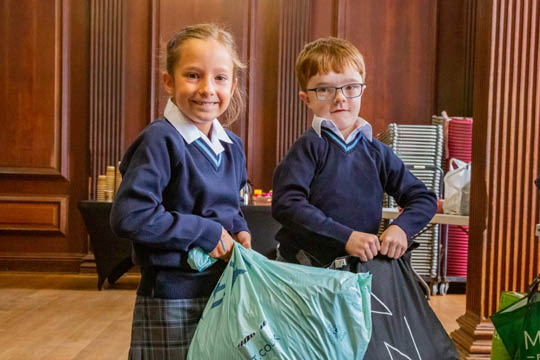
(445,220)
(113,254)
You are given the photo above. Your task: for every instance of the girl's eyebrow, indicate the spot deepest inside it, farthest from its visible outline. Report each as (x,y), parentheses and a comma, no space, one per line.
(219,69)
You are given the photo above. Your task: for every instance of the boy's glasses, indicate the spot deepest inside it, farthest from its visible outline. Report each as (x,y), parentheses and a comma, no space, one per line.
(329,92)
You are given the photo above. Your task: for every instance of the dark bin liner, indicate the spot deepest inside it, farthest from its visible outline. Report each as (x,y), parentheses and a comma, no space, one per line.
(404,326)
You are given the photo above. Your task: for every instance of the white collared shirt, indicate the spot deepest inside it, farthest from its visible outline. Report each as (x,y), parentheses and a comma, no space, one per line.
(361,125)
(190,132)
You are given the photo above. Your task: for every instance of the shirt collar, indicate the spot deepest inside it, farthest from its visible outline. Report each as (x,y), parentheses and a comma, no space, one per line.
(361,126)
(190,132)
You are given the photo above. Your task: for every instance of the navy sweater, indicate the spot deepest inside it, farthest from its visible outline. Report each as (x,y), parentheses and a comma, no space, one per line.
(175,196)
(324,189)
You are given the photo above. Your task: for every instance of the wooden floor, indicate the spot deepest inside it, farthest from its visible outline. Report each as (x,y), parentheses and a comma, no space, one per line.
(52,316)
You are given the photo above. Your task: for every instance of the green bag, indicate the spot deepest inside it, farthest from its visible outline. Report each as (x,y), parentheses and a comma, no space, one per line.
(519,325)
(498,350)
(265,310)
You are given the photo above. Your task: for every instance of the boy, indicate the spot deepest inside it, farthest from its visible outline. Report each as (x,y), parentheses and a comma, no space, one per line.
(328,194)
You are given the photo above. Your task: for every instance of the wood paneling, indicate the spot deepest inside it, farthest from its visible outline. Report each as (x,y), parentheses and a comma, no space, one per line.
(455,57)
(32,140)
(504,254)
(263,75)
(45,93)
(294,32)
(398,41)
(136,69)
(40,261)
(38,214)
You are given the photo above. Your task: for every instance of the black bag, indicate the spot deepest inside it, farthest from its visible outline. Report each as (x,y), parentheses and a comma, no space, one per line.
(404,326)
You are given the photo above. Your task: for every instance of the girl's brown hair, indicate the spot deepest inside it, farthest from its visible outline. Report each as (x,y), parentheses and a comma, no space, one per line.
(214,32)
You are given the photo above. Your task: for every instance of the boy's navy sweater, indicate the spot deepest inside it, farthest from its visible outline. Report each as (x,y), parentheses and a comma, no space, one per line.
(324,189)
(175,196)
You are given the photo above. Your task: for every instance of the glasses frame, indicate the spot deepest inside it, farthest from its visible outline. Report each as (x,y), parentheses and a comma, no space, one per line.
(336,88)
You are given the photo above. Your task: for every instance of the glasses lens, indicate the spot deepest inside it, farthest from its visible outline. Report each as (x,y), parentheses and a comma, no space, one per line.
(326,93)
(352,90)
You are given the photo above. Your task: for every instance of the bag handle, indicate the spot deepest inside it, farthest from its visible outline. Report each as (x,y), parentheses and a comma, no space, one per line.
(533,289)
(455,163)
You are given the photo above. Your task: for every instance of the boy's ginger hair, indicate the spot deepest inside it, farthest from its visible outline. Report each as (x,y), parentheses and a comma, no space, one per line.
(327,54)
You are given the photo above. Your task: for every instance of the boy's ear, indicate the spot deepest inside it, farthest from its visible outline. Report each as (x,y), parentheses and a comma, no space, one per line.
(168,82)
(304,97)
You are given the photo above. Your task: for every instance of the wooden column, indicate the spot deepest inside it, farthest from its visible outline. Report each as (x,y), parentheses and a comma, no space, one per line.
(292,119)
(503,251)
(105,87)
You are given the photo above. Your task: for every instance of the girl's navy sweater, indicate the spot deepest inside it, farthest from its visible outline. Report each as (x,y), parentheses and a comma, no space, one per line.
(175,196)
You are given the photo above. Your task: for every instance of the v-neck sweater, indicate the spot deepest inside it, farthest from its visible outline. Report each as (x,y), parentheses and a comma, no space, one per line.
(324,189)
(175,196)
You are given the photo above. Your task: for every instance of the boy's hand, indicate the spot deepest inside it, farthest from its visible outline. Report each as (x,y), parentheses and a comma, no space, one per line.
(393,242)
(226,241)
(363,245)
(244,238)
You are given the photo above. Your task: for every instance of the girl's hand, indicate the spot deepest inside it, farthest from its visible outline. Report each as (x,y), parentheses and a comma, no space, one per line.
(223,249)
(362,245)
(244,238)
(393,242)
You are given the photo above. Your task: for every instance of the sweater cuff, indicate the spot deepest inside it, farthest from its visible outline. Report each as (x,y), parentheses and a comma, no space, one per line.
(239,224)
(210,236)
(342,232)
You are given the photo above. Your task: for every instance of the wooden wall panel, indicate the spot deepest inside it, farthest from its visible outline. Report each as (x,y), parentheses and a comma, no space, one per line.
(136,69)
(44,77)
(263,83)
(46,214)
(455,57)
(504,254)
(32,140)
(398,41)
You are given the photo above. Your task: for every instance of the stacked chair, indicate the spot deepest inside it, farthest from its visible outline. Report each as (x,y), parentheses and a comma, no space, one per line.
(421,148)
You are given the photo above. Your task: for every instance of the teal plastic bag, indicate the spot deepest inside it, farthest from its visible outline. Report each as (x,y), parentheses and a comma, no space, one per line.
(265,310)
(199,260)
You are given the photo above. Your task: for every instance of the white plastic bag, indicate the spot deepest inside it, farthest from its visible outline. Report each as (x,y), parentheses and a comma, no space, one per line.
(456,188)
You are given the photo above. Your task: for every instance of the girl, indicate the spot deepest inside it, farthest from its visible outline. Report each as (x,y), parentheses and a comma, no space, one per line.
(180,189)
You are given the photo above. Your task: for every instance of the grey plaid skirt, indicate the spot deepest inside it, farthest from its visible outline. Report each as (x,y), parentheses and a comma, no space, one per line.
(163,328)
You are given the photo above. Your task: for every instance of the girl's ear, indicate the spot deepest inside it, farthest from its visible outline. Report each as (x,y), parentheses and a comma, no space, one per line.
(168,82)
(304,97)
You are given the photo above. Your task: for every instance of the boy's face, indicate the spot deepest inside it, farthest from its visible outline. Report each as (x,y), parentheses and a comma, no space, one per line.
(341,110)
